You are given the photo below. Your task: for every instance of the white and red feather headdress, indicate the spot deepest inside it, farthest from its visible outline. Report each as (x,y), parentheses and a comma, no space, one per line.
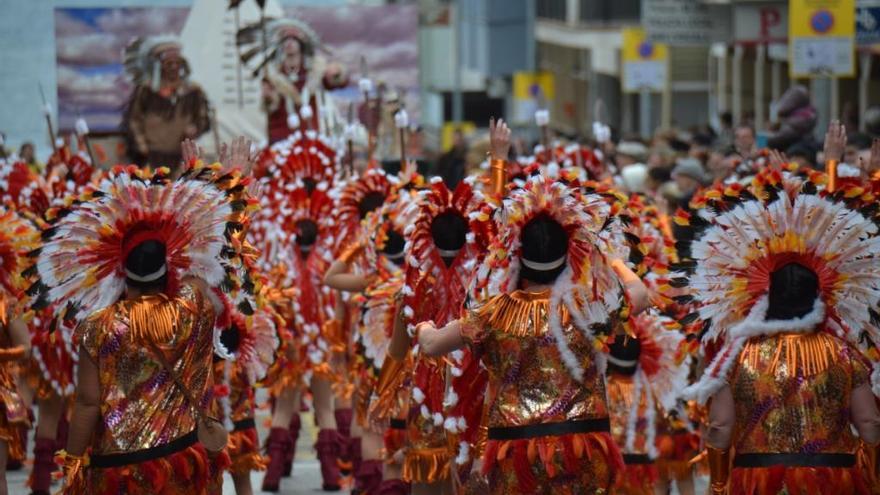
(81,261)
(588,287)
(743,234)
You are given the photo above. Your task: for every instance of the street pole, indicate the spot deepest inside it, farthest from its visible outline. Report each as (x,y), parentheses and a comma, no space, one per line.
(457,101)
(645,120)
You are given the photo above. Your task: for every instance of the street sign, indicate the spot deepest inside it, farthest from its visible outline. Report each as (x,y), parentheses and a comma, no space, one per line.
(645,64)
(531,91)
(685,22)
(822,38)
(760,23)
(868,22)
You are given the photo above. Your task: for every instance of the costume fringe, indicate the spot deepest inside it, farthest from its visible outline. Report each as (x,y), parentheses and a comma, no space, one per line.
(637,479)
(188,472)
(244,452)
(394,440)
(572,447)
(798,481)
(511,313)
(427,465)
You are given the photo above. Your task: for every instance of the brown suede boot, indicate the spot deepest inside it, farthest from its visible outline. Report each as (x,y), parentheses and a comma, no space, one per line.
(343,426)
(295,425)
(327,448)
(393,487)
(368,477)
(277,446)
(41,475)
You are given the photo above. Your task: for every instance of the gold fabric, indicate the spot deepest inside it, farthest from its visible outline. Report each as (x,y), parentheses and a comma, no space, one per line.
(141,407)
(792,394)
(528,382)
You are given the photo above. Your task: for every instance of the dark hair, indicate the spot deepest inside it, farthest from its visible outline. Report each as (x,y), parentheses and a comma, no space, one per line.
(543,240)
(307,235)
(624,348)
(145,259)
(310,184)
(660,174)
(231,338)
(394,245)
(449,231)
(370,202)
(793,291)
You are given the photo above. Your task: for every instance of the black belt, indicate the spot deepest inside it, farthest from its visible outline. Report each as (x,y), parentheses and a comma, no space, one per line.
(244,424)
(397,424)
(794,460)
(549,429)
(138,456)
(637,459)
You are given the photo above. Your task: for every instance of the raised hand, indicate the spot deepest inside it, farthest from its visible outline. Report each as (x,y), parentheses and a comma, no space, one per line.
(872,165)
(190,151)
(499,139)
(777,159)
(835,141)
(239,155)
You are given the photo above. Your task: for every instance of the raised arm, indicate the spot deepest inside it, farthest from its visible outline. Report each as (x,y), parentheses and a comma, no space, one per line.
(339,278)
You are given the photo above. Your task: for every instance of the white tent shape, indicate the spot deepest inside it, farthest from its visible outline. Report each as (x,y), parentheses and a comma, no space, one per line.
(208,40)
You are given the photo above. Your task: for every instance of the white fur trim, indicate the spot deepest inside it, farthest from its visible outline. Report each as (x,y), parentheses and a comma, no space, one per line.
(715,375)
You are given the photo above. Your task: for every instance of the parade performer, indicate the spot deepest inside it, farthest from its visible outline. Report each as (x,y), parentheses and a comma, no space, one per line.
(18,236)
(441,256)
(139,263)
(548,300)
(372,270)
(295,76)
(294,232)
(165,107)
(249,347)
(785,280)
(643,384)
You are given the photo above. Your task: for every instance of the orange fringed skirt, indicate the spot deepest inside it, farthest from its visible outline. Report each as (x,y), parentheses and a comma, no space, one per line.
(244,452)
(799,481)
(565,464)
(637,479)
(676,451)
(187,472)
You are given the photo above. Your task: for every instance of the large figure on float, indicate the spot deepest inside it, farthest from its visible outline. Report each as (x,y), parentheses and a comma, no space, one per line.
(285,52)
(165,107)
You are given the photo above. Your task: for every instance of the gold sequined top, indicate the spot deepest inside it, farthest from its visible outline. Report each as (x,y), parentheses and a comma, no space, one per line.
(621,397)
(141,406)
(792,394)
(528,382)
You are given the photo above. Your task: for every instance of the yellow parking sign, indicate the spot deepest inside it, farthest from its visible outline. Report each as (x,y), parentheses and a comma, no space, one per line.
(822,38)
(645,64)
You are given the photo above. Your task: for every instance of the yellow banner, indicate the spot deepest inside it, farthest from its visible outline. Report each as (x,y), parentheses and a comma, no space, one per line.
(637,48)
(529,85)
(809,18)
(449,128)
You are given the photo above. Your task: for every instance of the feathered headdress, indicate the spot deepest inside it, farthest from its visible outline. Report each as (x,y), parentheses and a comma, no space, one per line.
(589,287)
(141,58)
(349,198)
(289,265)
(81,261)
(307,156)
(259,44)
(744,234)
(18,236)
(658,374)
(426,271)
